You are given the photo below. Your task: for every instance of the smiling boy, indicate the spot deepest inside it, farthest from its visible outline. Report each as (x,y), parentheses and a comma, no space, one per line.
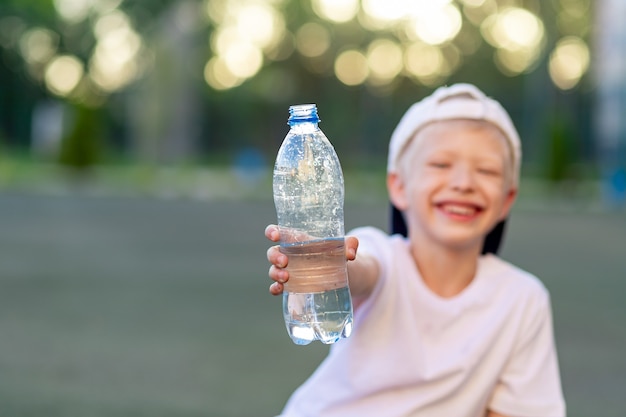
(440,330)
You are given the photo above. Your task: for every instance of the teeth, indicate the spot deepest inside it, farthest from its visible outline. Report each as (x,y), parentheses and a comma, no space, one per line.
(460,210)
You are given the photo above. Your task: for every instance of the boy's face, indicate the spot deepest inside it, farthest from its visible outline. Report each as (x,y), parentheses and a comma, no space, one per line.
(454,183)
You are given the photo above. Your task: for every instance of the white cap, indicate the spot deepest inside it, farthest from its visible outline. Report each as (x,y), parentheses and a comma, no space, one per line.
(458,101)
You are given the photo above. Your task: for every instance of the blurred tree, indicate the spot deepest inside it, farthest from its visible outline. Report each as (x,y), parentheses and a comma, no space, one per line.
(83,147)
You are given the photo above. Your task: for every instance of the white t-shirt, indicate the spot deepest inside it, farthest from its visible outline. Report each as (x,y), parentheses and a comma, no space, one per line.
(413,353)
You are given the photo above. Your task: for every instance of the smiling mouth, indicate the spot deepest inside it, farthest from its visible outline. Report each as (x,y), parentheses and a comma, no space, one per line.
(460,209)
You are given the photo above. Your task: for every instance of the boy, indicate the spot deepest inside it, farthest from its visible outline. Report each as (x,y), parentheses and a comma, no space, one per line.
(439,329)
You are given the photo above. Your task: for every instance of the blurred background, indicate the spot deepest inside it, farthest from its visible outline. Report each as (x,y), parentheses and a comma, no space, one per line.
(137,139)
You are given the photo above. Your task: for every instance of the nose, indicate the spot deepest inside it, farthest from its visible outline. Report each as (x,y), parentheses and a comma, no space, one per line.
(462,179)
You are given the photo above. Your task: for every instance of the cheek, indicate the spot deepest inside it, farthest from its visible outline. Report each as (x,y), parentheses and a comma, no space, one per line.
(497,193)
(420,190)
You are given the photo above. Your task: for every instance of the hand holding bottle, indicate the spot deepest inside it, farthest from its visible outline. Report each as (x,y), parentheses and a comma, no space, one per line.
(279,260)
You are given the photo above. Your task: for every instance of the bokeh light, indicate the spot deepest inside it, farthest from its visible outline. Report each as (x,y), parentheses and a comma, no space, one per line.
(384,58)
(63,74)
(110,22)
(338,11)
(518,35)
(476,11)
(423,40)
(73,11)
(38,45)
(379,14)
(351,67)
(246,33)
(260,24)
(424,62)
(113,64)
(243,59)
(568,62)
(312,39)
(435,22)
(473,3)
(249,34)
(282,49)
(218,75)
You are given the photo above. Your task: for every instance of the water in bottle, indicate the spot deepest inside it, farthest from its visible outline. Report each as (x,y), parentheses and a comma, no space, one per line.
(308,195)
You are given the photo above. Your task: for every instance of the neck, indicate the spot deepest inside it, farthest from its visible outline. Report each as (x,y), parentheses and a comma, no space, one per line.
(446,272)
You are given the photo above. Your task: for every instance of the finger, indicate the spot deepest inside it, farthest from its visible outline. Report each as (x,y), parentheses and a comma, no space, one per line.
(276,257)
(352,244)
(272,233)
(276,288)
(278,274)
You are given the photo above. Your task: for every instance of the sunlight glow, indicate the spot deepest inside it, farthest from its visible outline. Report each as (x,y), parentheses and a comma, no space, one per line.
(568,62)
(426,63)
(473,3)
(423,60)
(351,67)
(218,76)
(384,58)
(246,32)
(110,22)
(63,74)
(243,59)
(312,40)
(283,48)
(38,45)
(386,11)
(105,6)
(114,62)
(436,23)
(513,29)
(73,11)
(518,35)
(260,24)
(476,11)
(338,11)
(426,40)
(223,38)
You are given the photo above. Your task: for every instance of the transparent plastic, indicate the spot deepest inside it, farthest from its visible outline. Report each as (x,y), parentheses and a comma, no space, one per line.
(309,195)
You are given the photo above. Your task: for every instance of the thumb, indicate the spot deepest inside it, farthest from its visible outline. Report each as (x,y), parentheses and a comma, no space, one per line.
(352,244)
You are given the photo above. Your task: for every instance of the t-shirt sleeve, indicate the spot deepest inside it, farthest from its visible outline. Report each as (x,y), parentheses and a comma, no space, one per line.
(374,242)
(530,384)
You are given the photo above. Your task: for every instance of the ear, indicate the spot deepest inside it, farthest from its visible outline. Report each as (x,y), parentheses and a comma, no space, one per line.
(396,189)
(508,202)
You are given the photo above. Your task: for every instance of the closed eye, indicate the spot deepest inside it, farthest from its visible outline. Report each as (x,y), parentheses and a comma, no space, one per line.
(489,171)
(439,164)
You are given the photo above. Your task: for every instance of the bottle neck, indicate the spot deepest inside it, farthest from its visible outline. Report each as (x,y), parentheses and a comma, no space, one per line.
(304,127)
(303,114)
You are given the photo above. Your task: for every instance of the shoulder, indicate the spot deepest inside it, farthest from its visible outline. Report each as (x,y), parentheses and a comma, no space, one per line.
(508,275)
(522,292)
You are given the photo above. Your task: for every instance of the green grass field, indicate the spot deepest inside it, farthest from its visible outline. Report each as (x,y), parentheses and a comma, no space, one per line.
(139,306)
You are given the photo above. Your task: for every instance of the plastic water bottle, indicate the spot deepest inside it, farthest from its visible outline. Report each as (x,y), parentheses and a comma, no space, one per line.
(308,195)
